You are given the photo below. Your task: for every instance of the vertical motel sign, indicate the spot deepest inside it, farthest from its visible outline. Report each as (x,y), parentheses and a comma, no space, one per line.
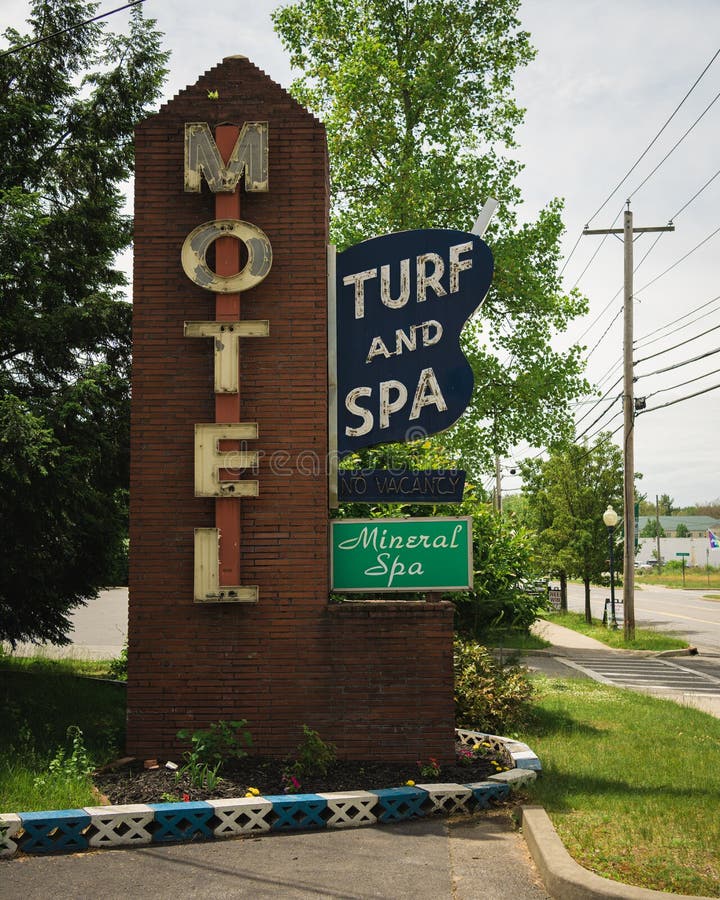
(225,160)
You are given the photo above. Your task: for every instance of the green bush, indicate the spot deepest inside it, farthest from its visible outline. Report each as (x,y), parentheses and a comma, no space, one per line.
(489,697)
(118,667)
(504,595)
(314,755)
(216,745)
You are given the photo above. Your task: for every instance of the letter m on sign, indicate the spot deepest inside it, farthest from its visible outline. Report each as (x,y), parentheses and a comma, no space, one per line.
(249,157)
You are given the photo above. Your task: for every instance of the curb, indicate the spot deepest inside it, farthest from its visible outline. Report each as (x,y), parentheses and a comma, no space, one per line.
(564,878)
(141,824)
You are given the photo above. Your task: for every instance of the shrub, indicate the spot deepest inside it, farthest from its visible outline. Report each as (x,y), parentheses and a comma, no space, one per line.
(503,595)
(314,755)
(488,696)
(118,667)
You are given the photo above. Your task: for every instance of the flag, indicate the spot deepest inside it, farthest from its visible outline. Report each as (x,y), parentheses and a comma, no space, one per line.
(714,542)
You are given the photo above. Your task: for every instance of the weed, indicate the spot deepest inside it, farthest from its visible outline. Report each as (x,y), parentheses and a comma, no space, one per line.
(72,767)
(217,744)
(314,755)
(211,748)
(118,668)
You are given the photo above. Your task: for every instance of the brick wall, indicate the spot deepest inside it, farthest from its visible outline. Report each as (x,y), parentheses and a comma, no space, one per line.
(360,677)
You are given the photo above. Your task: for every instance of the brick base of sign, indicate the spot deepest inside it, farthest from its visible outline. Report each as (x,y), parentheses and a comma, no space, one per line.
(71,830)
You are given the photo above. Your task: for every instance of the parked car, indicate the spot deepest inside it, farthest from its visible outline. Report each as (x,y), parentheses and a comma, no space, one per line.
(648,566)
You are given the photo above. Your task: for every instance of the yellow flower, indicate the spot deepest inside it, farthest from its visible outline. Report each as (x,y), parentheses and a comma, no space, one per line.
(410,783)
(252,792)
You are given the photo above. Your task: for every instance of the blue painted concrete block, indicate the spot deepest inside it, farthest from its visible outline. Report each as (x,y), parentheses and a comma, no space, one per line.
(182,821)
(296,811)
(485,791)
(397,804)
(55,830)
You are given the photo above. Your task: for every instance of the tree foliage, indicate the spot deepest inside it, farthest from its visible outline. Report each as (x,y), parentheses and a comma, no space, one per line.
(652,528)
(67,112)
(418,102)
(567,494)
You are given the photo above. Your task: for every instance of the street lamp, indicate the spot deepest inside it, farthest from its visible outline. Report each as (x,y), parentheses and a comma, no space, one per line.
(610,518)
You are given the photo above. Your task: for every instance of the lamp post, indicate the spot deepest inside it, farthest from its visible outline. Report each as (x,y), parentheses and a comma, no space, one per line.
(610,518)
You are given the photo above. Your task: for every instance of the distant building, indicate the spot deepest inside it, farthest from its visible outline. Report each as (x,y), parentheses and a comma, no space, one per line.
(697,526)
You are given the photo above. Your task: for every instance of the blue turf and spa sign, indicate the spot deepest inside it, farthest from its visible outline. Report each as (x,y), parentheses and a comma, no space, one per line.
(401,302)
(371,555)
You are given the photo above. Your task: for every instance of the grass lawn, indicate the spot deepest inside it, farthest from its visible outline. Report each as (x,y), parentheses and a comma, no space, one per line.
(39,699)
(512,639)
(631,783)
(645,638)
(697,578)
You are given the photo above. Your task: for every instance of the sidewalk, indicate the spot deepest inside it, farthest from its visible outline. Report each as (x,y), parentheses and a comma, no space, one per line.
(573,646)
(426,859)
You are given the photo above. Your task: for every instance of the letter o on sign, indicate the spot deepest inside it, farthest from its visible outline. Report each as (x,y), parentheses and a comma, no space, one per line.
(198,242)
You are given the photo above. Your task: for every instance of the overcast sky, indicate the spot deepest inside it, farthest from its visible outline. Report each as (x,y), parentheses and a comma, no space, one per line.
(606,78)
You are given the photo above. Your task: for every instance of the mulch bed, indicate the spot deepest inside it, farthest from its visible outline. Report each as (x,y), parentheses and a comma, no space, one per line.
(131,782)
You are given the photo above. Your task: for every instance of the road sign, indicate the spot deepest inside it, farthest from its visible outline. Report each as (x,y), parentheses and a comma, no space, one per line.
(418,554)
(682,554)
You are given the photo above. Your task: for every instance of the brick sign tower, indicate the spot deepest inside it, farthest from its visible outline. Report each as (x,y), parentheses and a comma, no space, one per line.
(230,614)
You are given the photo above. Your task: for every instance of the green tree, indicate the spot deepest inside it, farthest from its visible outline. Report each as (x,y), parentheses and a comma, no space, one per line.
(567,495)
(67,111)
(418,102)
(666,504)
(681,530)
(652,528)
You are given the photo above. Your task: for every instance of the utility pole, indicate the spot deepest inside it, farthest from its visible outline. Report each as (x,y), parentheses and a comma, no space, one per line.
(627,232)
(498,485)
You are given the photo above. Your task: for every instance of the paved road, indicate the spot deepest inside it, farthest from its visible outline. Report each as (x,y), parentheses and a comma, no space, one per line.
(685,613)
(99,629)
(429,859)
(654,675)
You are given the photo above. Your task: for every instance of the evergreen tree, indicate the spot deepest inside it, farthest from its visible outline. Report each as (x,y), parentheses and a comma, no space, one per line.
(67,111)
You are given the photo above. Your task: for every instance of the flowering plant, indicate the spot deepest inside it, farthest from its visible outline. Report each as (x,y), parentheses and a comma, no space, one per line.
(291,784)
(430,769)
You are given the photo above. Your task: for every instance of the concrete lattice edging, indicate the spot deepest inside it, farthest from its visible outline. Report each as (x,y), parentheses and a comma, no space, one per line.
(140,824)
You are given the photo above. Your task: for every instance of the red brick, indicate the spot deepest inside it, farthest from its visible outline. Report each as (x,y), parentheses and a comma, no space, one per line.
(376,679)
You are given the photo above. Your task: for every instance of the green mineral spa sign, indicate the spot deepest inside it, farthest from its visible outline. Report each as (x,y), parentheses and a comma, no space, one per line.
(401,554)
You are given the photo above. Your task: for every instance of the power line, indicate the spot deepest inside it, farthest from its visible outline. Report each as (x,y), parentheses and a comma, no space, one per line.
(678,365)
(680,399)
(49,37)
(677,262)
(598,402)
(695,196)
(677,144)
(683,383)
(675,346)
(709,312)
(640,158)
(647,253)
(602,414)
(604,334)
(653,141)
